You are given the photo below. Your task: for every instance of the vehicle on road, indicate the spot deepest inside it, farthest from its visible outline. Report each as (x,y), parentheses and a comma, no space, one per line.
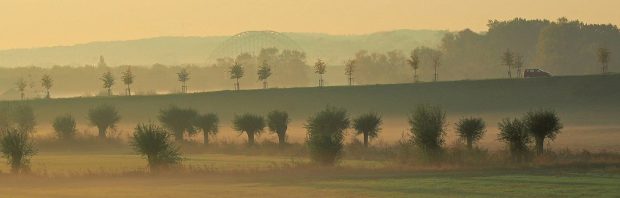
(535,73)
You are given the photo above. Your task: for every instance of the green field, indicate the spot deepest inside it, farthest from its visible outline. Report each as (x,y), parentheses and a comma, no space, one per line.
(101,175)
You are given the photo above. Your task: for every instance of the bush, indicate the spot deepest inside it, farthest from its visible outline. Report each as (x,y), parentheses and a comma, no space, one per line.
(64,126)
(17,149)
(428,125)
(250,124)
(513,133)
(471,130)
(153,142)
(325,135)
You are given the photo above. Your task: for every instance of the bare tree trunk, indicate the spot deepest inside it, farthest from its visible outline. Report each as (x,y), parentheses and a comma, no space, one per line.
(436,75)
(237,85)
(206,137)
(178,136)
(128,90)
(47,94)
(250,138)
(509,71)
(366,140)
(282,139)
(102,132)
(415,75)
(109,91)
(264,84)
(469,143)
(540,142)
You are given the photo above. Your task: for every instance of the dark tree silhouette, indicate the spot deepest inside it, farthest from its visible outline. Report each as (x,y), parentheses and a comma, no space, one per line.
(320,68)
(64,126)
(368,125)
(326,134)
(47,83)
(250,124)
(183,77)
(508,59)
(414,62)
(264,71)
(519,64)
(236,72)
(471,130)
(278,121)
(108,81)
(349,69)
(208,123)
(178,120)
(436,57)
(17,148)
(153,142)
(21,87)
(24,119)
(104,117)
(428,124)
(603,59)
(128,80)
(542,124)
(514,133)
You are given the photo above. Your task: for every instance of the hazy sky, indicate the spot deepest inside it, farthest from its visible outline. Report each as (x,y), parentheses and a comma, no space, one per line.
(34,23)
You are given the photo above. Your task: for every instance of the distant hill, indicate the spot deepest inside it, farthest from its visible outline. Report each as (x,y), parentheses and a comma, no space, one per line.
(196,50)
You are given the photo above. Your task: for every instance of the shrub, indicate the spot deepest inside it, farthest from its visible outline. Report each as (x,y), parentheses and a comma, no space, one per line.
(208,123)
(278,121)
(542,124)
(104,117)
(153,142)
(428,129)
(513,133)
(325,135)
(471,130)
(17,149)
(64,126)
(368,125)
(250,124)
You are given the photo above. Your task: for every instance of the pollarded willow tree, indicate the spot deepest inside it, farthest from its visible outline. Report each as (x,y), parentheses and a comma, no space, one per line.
(183,77)
(208,123)
(17,148)
(153,142)
(326,135)
(264,72)
(349,69)
(514,133)
(104,117)
(471,130)
(108,81)
(236,72)
(250,124)
(178,120)
(320,68)
(542,124)
(278,121)
(603,58)
(47,82)
(368,125)
(414,63)
(128,80)
(428,129)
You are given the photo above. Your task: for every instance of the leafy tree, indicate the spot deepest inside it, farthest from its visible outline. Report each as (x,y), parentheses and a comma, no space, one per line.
(24,118)
(178,120)
(64,126)
(278,121)
(236,72)
(603,58)
(264,71)
(128,80)
(104,117)
(349,68)
(326,134)
(471,130)
(320,68)
(208,123)
(542,124)
(428,125)
(514,133)
(108,81)
(436,62)
(368,125)
(21,87)
(508,59)
(250,124)
(183,77)
(47,83)
(414,62)
(17,148)
(153,142)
